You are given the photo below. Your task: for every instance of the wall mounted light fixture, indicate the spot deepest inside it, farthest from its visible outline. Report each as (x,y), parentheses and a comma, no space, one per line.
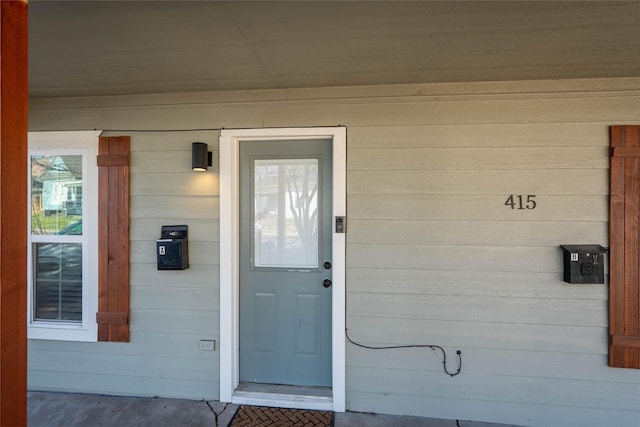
(201,157)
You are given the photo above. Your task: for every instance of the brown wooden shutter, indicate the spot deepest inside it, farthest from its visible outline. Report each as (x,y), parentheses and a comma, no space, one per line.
(624,239)
(113,239)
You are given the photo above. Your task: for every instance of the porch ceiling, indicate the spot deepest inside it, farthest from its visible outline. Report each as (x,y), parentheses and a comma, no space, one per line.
(84,48)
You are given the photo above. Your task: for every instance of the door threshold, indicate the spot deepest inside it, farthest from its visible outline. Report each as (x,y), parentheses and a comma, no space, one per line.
(283,396)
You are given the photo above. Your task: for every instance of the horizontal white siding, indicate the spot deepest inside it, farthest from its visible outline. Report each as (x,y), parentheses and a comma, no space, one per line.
(434,256)
(472,158)
(567,208)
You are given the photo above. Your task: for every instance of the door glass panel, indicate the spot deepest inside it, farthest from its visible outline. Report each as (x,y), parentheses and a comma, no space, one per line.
(285,213)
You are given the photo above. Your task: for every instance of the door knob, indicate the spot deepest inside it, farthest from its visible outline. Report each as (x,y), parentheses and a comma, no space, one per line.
(326,283)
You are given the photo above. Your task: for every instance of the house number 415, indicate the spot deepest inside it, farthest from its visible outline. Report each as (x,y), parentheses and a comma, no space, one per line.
(519,201)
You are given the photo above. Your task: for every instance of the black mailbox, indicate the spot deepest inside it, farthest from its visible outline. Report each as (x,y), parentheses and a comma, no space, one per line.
(172,248)
(583,263)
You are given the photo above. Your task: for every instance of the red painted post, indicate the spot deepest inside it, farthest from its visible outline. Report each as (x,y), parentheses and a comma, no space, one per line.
(13,212)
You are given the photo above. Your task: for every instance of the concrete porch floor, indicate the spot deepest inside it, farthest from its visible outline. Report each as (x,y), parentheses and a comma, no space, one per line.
(88,410)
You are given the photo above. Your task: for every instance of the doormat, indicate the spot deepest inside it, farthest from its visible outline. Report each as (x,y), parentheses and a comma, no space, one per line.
(261,416)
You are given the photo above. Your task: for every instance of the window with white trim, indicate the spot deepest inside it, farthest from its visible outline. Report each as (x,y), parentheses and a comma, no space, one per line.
(62,236)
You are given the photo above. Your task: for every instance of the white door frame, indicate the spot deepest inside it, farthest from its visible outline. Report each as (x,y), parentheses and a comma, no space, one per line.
(229,252)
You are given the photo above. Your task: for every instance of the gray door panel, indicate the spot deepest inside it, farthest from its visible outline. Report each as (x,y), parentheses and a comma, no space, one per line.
(285,239)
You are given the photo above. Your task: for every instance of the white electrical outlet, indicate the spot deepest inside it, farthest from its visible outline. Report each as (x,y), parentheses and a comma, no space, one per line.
(208,345)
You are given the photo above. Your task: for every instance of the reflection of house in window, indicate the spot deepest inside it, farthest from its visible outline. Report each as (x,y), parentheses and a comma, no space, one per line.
(56,196)
(56,185)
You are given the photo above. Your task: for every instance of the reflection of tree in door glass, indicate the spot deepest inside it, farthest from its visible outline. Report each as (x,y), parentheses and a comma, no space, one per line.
(286,213)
